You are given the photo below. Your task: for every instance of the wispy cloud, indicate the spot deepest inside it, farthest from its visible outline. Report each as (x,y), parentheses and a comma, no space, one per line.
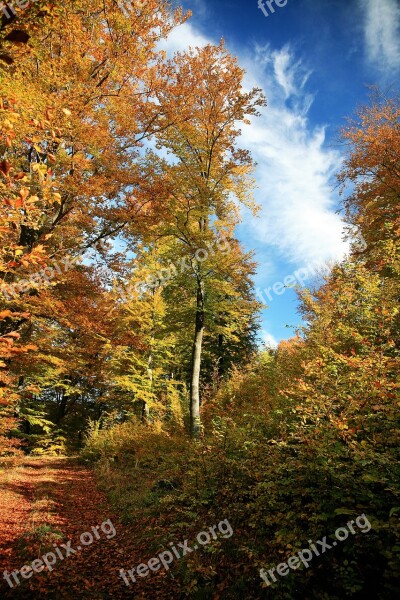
(287,72)
(268,339)
(382,33)
(295,168)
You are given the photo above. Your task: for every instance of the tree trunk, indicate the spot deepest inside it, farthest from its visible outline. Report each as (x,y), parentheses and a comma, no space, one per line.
(221,366)
(146,411)
(62,408)
(195,422)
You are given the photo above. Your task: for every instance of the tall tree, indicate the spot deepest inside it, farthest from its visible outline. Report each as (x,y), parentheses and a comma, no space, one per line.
(209,175)
(372,168)
(73,98)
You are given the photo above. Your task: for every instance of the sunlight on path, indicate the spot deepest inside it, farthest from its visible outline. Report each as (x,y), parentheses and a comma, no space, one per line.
(47,502)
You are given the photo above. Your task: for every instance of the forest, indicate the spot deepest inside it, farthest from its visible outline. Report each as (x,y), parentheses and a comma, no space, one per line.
(134,391)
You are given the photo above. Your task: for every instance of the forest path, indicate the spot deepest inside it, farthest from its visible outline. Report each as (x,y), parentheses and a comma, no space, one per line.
(47,502)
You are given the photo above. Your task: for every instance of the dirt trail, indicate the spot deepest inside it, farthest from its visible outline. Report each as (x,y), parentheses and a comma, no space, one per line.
(45,498)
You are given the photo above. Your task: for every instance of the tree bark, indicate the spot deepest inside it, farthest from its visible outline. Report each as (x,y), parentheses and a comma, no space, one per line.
(195,422)
(221,366)
(146,410)
(62,408)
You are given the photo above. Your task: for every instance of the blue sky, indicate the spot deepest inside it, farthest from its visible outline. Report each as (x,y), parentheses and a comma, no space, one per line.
(316,61)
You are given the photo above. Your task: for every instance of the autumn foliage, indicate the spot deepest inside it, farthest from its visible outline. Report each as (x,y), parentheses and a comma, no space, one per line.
(303,438)
(141,352)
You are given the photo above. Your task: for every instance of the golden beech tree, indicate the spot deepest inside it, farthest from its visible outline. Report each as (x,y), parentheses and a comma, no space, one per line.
(72,98)
(372,167)
(25,196)
(140,362)
(208,176)
(84,69)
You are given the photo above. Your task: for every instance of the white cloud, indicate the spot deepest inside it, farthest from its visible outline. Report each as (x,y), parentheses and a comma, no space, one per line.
(382,33)
(182,37)
(268,339)
(295,169)
(286,71)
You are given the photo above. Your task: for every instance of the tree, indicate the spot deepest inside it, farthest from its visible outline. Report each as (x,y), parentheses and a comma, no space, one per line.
(73,103)
(21,209)
(208,174)
(142,361)
(372,169)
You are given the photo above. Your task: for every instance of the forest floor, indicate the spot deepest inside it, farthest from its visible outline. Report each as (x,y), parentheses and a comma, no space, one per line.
(46,503)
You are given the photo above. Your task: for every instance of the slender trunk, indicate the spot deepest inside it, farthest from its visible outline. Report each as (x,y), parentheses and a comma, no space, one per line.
(195,422)
(99,412)
(62,409)
(146,411)
(17,406)
(221,366)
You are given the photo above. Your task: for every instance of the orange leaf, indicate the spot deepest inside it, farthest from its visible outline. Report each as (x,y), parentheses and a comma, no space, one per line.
(5,167)
(4,314)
